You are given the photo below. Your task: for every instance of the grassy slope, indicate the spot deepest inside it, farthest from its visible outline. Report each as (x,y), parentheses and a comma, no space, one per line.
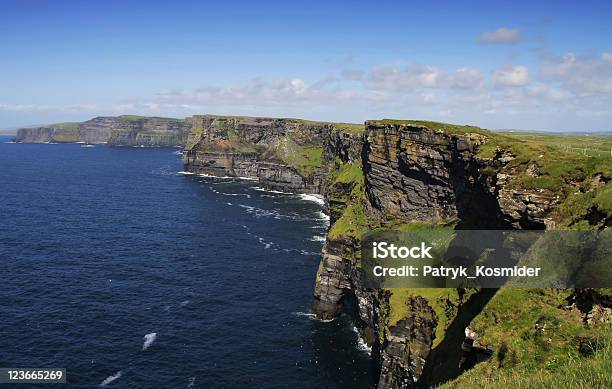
(538,344)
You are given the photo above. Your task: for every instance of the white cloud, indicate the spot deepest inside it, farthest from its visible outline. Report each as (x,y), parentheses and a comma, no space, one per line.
(413,76)
(582,75)
(466,78)
(510,75)
(501,35)
(569,86)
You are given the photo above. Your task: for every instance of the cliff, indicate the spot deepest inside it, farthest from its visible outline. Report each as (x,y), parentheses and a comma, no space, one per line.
(415,175)
(283,154)
(408,175)
(126,130)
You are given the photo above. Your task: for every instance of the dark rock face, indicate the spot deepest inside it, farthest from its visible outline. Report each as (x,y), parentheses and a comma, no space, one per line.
(35,135)
(344,145)
(116,131)
(407,345)
(254,147)
(415,174)
(149,132)
(418,174)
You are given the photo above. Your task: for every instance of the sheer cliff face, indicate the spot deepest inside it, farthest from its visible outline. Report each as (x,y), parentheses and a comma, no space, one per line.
(284,154)
(413,173)
(116,131)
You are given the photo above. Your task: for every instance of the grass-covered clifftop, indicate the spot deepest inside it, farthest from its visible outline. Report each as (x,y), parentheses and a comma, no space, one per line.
(539,338)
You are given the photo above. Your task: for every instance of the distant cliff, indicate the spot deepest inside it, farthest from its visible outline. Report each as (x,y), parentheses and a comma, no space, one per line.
(126,130)
(284,154)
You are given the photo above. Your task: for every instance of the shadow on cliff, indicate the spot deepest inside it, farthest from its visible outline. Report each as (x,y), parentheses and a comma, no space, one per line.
(443,362)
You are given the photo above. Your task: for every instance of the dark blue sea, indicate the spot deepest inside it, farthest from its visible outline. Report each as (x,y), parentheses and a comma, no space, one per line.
(100,247)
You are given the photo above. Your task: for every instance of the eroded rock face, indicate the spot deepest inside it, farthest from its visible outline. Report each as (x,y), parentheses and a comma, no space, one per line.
(416,174)
(250,147)
(407,345)
(35,135)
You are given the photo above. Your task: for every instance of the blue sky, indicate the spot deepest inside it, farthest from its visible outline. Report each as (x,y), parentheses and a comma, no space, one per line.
(541,65)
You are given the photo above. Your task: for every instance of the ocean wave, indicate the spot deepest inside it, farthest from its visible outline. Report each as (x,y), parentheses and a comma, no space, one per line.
(184,303)
(260,189)
(191,382)
(111,378)
(311,316)
(148,340)
(305,314)
(361,344)
(186,173)
(236,194)
(312,198)
(318,238)
(322,216)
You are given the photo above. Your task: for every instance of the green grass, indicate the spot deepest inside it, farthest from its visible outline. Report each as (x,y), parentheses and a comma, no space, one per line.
(195,134)
(350,127)
(306,159)
(131,118)
(443,301)
(537,344)
(353,223)
(67,125)
(349,173)
(347,185)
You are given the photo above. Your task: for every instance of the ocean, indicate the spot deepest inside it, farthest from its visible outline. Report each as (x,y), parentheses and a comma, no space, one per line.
(129,274)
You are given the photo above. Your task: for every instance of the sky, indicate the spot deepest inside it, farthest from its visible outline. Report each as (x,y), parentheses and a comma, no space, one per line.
(534,65)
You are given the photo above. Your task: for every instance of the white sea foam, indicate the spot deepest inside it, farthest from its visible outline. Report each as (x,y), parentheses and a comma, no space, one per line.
(318,238)
(148,340)
(191,382)
(361,344)
(184,303)
(178,152)
(311,316)
(305,314)
(228,203)
(186,173)
(237,194)
(10,142)
(313,198)
(259,188)
(111,378)
(323,216)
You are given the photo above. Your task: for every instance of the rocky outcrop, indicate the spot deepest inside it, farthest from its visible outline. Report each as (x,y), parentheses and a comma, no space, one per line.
(283,154)
(114,130)
(416,173)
